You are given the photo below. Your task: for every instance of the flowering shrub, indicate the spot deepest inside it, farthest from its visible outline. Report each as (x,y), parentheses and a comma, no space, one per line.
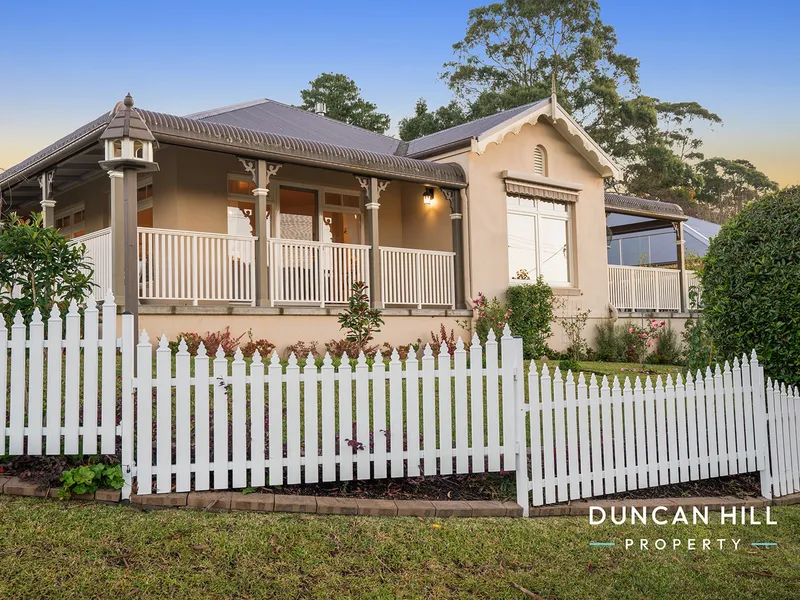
(644,338)
(489,314)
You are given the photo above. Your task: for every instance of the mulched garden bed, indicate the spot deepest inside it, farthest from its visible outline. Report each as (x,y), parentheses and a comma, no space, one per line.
(46,471)
(491,486)
(739,486)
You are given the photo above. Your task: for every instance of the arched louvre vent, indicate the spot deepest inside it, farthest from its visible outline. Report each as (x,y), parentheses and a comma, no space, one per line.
(539,161)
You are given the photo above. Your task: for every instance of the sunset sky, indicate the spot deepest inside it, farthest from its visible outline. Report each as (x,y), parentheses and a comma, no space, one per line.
(63,66)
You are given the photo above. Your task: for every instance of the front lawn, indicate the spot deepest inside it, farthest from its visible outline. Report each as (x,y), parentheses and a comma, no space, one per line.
(621,370)
(72,550)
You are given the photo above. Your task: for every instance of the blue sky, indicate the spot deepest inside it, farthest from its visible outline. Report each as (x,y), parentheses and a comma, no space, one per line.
(65,63)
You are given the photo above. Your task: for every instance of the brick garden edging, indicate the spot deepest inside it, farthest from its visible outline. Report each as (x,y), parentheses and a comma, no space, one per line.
(225,501)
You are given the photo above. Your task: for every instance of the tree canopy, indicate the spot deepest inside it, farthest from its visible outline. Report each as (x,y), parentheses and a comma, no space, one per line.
(519,51)
(343,102)
(425,122)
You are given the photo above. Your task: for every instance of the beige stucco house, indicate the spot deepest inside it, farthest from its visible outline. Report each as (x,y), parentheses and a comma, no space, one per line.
(260,216)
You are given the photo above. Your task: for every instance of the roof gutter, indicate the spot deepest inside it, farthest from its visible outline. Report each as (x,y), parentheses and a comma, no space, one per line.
(187,140)
(648,214)
(48,159)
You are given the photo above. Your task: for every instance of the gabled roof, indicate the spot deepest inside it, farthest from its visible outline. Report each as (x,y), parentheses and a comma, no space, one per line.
(268,116)
(277,131)
(480,134)
(431,144)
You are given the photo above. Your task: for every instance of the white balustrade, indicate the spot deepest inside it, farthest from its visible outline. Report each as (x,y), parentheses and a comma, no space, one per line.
(315,272)
(185,265)
(418,277)
(98,253)
(644,288)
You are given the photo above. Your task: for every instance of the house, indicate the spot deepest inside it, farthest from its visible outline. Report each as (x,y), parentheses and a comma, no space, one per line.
(260,216)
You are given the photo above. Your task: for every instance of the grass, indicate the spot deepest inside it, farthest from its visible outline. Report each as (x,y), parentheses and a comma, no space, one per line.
(70,550)
(621,370)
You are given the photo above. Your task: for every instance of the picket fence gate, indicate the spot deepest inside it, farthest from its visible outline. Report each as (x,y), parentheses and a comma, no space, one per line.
(181,422)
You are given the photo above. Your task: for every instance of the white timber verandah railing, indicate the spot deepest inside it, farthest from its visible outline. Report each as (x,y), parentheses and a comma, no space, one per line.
(197,267)
(192,266)
(647,288)
(186,422)
(99,255)
(418,277)
(315,272)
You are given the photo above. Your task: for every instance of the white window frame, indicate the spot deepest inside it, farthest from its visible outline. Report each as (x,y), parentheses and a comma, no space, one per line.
(536,212)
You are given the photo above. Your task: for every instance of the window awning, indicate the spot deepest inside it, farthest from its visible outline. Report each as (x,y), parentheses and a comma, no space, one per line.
(533,190)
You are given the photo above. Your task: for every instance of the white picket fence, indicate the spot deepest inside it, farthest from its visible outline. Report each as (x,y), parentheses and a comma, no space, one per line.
(783,408)
(597,438)
(182,422)
(417,417)
(58,387)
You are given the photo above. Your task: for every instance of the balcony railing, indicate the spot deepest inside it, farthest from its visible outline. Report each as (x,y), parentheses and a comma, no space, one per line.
(198,267)
(418,277)
(315,272)
(98,253)
(185,265)
(646,288)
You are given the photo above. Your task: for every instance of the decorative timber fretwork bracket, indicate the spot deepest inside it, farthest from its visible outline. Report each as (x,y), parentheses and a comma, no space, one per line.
(374,188)
(453,198)
(262,179)
(46,183)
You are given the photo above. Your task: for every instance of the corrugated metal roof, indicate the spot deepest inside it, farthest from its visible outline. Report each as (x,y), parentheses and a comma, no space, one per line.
(224,137)
(268,116)
(643,206)
(203,132)
(429,144)
(83,137)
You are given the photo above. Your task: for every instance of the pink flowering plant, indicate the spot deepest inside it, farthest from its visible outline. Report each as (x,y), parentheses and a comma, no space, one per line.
(488,314)
(644,338)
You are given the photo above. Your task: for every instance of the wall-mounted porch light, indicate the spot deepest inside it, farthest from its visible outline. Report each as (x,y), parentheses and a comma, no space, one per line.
(427,197)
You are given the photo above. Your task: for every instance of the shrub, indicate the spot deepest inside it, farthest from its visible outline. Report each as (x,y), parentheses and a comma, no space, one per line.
(42,265)
(442,337)
(610,341)
(360,321)
(569,364)
(212,341)
(402,349)
(530,314)
(698,347)
(490,315)
(644,339)
(301,349)
(751,285)
(338,347)
(264,347)
(668,348)
(573,326)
